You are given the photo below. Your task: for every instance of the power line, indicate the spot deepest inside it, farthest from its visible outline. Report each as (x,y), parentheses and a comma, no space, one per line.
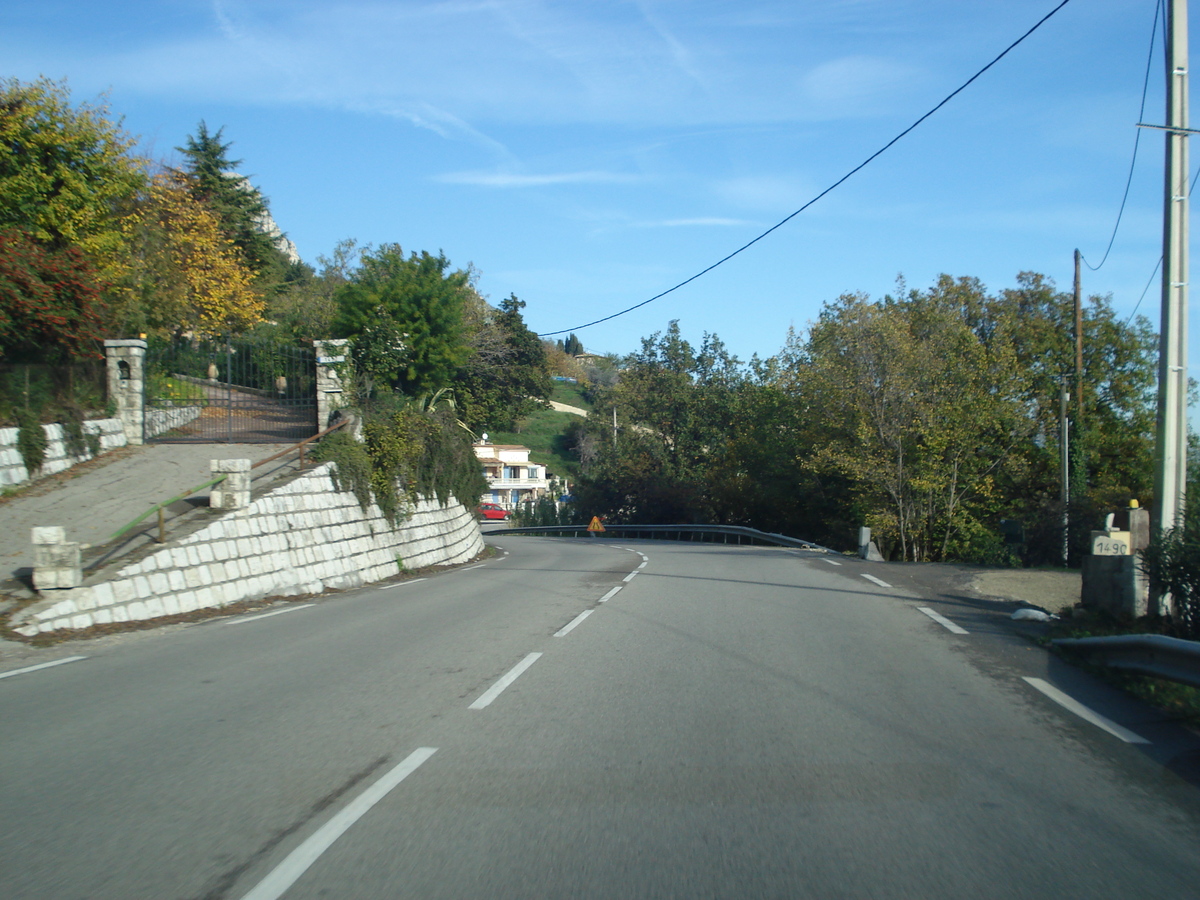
(836,184)
(1136,140)
(1191,190)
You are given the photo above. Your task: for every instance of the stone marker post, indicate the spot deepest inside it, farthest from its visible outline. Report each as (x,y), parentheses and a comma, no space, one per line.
(1112,574)
(56,561)
(234,491)
(126,385)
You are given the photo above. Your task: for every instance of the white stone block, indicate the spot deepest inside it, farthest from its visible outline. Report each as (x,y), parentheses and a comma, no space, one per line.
(102,594)
(170,604)
(159,584)
(154,608)
(136,611)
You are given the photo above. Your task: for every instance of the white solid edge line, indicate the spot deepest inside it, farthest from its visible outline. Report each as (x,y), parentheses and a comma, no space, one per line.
(942,620)
(469,568)
(299,860)
(832,562)
(240,620)
(388,587)
(611,593)
(1070,703)
(628,578)
(872,578)
(45,665)
(566,629)
(496,689)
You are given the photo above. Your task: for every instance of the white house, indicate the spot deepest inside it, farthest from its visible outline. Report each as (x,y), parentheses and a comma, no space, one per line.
(513,479)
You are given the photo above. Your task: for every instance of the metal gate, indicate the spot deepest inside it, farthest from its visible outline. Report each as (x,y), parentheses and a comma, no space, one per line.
(229,391)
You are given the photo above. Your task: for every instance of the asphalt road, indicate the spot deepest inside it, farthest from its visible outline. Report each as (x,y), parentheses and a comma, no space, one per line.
(729,722)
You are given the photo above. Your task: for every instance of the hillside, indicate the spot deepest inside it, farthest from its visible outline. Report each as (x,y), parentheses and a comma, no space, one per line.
(544,433)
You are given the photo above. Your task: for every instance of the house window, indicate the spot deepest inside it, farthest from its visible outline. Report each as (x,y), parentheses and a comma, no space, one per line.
(512,472)
(533,473)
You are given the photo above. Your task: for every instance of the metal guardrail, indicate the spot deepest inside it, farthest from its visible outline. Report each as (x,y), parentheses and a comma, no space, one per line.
(672,532)
(1147,654)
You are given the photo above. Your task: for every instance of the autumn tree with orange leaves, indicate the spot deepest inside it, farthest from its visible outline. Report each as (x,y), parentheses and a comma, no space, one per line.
(184,275)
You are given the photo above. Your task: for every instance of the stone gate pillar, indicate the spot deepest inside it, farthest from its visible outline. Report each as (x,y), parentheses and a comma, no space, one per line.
(330,356)
(126,385)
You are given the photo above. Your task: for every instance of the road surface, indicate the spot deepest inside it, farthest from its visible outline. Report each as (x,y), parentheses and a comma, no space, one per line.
(590,718)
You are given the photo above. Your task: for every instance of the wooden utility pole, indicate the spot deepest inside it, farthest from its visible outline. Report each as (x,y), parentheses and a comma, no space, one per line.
(1170,481)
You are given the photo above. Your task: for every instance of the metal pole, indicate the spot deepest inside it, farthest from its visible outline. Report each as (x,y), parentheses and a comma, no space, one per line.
(1170,480)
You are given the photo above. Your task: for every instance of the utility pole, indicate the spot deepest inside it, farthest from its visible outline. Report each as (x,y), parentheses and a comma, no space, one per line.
(1064,441)
(1078,344)
(1170,480)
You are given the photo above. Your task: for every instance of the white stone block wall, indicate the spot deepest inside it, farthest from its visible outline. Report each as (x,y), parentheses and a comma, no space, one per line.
(12,467)
(165,418)
(302,538)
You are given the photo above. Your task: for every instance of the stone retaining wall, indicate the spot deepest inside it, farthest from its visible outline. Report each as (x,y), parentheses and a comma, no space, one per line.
(302,538)
(164,418)
(12,467)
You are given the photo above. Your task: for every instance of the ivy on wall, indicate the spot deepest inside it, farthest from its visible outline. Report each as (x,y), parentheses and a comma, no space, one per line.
(406,454)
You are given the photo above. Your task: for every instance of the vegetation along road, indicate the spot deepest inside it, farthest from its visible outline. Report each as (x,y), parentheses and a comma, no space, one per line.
(591,719)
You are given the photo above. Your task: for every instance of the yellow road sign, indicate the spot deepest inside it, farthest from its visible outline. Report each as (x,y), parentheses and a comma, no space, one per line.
(595,525)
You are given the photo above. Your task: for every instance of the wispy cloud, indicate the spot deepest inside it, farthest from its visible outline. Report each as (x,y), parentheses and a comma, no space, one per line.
(516,180)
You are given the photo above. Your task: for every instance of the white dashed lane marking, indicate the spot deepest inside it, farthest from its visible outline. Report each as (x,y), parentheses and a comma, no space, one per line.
(497,689)
(874,580)
(242,620)
(566,629)
(297,862)
(942,620)
(45,665)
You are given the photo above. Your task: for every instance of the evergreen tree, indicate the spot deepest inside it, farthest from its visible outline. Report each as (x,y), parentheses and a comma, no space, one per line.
(237,204)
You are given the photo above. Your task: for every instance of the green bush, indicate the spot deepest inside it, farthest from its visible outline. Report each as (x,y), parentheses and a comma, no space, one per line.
(1172,565)
(31,440)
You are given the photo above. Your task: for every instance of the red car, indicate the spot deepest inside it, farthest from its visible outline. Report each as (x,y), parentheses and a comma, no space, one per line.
(491,511)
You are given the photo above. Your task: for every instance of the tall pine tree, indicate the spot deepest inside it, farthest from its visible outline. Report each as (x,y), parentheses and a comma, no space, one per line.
(237,204)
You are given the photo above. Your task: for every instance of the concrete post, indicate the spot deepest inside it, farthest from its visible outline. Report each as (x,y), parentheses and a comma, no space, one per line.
(234,491)
(126,386)
(330,357)
(56,561)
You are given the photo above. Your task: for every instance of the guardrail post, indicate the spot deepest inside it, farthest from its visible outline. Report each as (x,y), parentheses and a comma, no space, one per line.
(234,491)
(56,561)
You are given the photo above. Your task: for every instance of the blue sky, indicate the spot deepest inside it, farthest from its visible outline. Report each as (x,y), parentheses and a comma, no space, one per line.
(588,155)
